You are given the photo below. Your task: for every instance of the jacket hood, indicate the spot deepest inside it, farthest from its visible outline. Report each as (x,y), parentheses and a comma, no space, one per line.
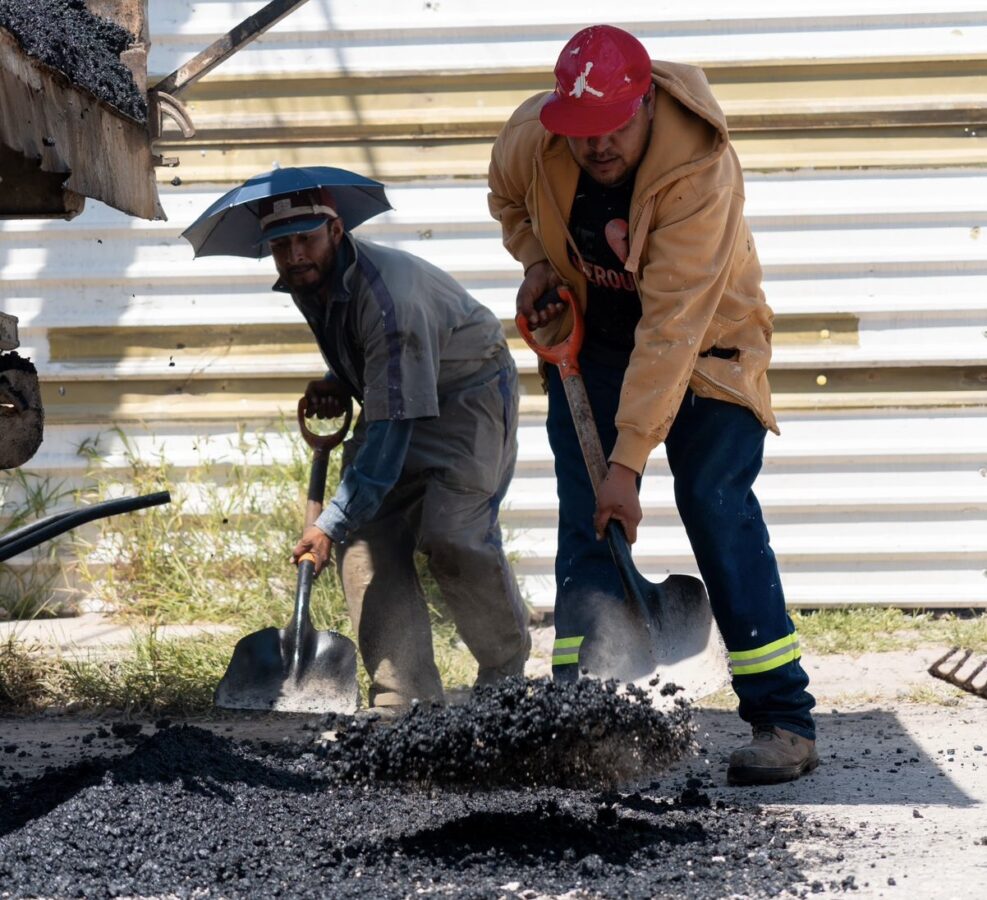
(690,130)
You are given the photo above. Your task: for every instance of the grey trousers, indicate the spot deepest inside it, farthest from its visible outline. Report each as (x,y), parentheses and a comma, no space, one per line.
(445,506)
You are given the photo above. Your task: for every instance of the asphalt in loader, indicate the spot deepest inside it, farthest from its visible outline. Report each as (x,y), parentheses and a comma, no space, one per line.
(389,810)
(86,48)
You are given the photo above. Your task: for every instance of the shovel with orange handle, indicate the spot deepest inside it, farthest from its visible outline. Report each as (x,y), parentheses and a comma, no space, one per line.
(664,633)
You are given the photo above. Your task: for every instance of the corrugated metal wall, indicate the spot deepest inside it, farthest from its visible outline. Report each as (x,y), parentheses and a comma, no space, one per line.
(863,130)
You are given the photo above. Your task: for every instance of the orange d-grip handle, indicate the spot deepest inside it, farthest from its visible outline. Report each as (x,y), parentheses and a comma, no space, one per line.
(307,557)
(565,355)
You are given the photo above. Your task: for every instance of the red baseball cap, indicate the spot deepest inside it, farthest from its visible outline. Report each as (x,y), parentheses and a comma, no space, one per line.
(304,210)
(601,78)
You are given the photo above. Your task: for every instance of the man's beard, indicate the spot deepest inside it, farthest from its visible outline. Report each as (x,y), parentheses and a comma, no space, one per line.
(317,288)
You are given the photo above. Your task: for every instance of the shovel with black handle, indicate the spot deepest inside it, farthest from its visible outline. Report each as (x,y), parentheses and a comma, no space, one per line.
(664,633)
(297,668)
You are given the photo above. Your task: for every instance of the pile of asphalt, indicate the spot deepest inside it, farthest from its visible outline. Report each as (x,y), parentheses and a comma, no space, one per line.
(63,34)
(190,813)
(510,793)
(518,733)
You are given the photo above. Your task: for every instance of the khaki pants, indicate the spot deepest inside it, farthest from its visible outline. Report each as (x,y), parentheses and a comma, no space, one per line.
(445,505)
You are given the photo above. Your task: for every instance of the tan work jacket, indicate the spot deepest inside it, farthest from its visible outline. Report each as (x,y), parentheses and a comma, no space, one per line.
(691,254)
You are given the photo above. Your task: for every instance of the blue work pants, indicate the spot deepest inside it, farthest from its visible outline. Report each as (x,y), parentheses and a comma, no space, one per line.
(714,451)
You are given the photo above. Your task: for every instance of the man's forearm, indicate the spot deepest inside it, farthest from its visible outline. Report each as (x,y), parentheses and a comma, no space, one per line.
(368,479)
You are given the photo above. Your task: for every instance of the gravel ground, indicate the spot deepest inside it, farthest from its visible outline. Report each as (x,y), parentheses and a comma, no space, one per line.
(249,805)
(63,34)
(384,809)
(191,813)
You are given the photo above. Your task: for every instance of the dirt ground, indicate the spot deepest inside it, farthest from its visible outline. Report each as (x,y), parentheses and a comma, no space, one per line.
(898,807)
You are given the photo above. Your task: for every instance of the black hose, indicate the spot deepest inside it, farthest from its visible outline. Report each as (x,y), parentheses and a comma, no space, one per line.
(31,535)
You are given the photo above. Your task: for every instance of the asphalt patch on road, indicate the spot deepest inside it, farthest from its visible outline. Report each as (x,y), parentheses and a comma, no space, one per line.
(64,35)
(189,812)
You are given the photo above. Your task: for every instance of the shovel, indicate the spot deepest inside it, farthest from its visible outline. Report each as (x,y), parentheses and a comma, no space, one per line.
(664,634)
(297,669)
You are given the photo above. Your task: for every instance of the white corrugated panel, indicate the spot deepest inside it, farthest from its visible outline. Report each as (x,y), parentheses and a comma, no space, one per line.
(900,252)
(337,36)
(876,492)
(886,506)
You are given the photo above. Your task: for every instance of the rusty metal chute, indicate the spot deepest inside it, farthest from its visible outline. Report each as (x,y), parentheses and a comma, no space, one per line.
(60,143)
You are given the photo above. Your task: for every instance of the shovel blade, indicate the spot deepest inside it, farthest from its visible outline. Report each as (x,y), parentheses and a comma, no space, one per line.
(667,637)
(264,674)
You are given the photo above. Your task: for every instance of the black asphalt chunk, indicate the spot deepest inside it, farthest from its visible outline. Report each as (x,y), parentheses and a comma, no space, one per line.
(86,48)
(126,729)
(192,813)
(14,362)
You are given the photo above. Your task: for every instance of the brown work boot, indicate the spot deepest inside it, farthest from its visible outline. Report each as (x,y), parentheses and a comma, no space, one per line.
(773,755)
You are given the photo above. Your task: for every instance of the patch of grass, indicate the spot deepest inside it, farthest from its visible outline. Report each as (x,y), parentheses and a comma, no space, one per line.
(151,676)
(27,678)
(155,676)
(934,695)
(28,591)
(219,552)
(873,630)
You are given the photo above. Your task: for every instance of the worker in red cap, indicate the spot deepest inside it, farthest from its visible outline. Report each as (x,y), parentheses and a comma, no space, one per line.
(431,455)
(622,185)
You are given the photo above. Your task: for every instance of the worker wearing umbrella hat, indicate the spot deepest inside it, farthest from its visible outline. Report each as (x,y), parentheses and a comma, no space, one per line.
(432,452)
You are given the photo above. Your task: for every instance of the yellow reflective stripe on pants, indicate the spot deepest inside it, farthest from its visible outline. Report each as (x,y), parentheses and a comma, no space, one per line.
(766,658)
(565,651)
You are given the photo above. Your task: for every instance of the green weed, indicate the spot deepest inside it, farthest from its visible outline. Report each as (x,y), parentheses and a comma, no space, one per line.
(219,552)
(873,629)
(29,590)
(27,676)
(155,676)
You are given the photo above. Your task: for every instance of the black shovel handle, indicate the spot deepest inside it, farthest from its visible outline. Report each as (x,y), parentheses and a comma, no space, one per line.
(300,632)
(324,442)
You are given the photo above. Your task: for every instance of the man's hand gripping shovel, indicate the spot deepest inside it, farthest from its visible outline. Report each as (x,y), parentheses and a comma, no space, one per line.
(296,668)
(664,630)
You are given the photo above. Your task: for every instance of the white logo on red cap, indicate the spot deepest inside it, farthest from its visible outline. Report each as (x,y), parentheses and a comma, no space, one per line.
(582,84)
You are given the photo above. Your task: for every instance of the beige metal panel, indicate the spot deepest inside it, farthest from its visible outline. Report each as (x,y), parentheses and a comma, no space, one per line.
(877,282)
(794,97)
(871,508)
(762,151)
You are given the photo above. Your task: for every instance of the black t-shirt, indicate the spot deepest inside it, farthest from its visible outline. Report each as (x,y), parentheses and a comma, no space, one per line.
(598,224)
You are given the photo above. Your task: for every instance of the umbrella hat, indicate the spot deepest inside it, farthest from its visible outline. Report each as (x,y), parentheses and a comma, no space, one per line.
(231,226)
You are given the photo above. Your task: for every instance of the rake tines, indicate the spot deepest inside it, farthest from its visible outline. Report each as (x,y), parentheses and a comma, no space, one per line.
(957,668)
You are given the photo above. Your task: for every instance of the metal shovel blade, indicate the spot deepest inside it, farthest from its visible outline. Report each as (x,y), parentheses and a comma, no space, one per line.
(664,635)
(293,669)
(260,675)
